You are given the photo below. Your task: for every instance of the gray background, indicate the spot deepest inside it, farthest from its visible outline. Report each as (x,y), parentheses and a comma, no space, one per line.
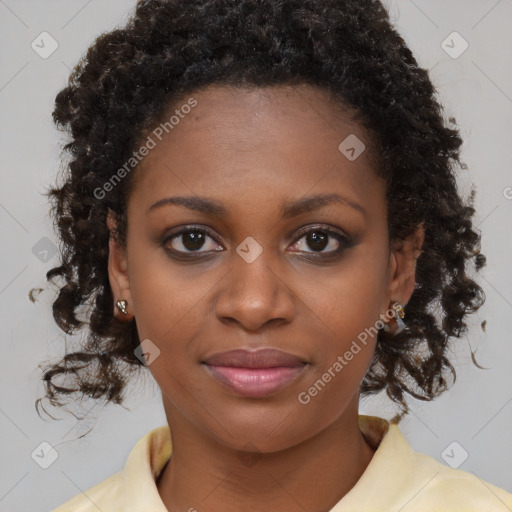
(475,87)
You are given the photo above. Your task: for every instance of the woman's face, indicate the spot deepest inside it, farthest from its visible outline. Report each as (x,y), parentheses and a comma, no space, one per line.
(256,266)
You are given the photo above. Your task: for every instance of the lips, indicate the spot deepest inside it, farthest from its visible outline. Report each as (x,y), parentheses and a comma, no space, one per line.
(262,358)
(255,374)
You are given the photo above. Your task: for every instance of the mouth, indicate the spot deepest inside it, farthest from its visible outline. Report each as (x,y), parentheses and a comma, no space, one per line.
(255,373)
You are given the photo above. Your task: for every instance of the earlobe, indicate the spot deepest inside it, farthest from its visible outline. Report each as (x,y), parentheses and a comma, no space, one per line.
(118,275)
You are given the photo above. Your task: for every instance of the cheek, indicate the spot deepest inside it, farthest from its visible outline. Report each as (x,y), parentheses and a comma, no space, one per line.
(343,354)
(166,297)
(347,310)
(344,351)
(349,300)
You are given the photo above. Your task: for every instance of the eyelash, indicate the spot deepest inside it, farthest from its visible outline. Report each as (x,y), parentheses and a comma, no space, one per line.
(344,240)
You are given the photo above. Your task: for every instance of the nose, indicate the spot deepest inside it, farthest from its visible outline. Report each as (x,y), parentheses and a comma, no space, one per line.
(254,295)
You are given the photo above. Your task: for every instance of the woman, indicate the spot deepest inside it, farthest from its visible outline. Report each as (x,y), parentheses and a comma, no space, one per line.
(261,208)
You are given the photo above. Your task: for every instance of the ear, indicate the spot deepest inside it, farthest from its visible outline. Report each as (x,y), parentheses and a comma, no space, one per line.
(118,272)
(402,267)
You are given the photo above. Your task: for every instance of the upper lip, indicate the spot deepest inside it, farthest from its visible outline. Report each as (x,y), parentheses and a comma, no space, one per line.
(262,358)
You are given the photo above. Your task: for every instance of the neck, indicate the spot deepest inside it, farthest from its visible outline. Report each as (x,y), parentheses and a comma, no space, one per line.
(315,474)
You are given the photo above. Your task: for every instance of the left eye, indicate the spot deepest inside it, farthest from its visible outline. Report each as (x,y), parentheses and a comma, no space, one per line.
(318,239)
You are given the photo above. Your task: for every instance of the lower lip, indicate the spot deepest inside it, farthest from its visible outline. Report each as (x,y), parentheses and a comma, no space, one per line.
(255,382)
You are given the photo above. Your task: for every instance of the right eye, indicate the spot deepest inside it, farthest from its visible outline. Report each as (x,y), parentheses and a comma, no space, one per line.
(189,240)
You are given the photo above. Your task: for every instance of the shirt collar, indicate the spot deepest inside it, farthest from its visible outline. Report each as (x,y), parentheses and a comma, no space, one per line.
(392,457)
(144,464)
(385,476)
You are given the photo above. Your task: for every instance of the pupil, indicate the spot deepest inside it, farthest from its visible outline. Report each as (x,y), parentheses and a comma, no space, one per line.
(196,238)
(317,239)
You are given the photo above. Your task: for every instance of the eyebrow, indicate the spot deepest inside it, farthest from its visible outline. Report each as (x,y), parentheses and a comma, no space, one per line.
(288,210)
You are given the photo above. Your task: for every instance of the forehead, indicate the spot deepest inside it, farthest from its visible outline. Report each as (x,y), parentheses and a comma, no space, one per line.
(256,144)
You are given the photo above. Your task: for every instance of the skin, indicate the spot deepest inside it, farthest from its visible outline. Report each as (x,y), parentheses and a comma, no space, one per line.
(252,151)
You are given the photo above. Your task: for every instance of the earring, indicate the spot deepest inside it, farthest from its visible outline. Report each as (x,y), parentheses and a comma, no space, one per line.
(399,315)
(121,305)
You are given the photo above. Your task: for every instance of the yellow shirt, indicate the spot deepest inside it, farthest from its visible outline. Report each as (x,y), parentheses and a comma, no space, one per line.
(396,479)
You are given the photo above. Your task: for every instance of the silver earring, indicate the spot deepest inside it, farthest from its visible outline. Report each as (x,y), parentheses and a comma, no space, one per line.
(121,305)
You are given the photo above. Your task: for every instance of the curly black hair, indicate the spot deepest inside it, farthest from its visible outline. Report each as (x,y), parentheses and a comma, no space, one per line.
(125,84)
